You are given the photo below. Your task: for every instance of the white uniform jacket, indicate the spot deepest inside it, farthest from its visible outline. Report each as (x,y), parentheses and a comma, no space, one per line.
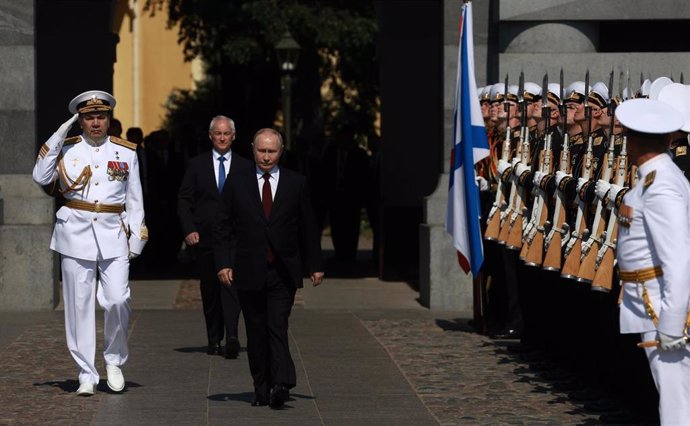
(658,235)
(107,174)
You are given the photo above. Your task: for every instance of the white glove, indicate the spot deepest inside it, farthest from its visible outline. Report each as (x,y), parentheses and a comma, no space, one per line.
(64,127)
(482,183)
(132,255)
(560,176)
(520,169)
(538,176)
(670,343)
(503,166)
(515,161)
(613,192)
(581,181)
(601,188)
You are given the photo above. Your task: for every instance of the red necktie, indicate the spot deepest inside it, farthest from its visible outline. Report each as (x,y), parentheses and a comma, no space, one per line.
(267,201)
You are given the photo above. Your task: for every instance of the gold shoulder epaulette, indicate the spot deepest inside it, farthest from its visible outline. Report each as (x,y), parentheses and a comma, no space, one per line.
(649,179)
(72,140)
(597,140)
(681,150)
(122,142)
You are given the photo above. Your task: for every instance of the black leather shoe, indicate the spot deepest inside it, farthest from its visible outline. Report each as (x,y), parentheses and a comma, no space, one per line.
(232,348)
(506,334)
(214,349)
(279,394)
(259,400)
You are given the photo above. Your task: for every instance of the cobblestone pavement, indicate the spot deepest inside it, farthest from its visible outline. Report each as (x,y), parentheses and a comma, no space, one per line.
(32,367)
(461,377)
(464,378)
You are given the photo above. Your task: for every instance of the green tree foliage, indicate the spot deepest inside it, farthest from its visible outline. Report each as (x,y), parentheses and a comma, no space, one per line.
(236,41)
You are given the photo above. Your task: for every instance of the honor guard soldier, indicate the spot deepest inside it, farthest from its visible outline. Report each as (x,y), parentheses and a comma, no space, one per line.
(545,180)
(509,324)
(598,100)
(98,230)
(574,101)
(654,227)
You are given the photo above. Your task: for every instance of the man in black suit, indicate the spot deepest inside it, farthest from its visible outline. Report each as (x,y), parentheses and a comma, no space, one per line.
(265,235)
(198,206)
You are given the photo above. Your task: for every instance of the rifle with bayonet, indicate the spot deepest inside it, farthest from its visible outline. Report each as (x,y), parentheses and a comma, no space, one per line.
(493,221)
(514,241)
(558,228)
(573,247)
(594,239)
(509,177)
(603,277)
(534,240)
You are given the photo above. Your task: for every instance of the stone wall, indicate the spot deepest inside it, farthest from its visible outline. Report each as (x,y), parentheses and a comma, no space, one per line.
(27,266)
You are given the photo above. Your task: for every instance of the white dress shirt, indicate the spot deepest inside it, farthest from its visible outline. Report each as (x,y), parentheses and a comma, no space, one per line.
(273,180)
(216,163)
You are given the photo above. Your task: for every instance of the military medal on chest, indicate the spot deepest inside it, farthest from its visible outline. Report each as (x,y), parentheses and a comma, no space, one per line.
(118,170)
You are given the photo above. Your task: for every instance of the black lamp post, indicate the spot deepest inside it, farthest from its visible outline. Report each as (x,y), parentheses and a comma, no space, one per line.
(287,50)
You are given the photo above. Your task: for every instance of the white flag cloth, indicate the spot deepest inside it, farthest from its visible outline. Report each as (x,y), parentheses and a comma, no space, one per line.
(470,145)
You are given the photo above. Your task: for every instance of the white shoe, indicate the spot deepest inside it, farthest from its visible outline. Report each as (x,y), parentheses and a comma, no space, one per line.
(116,381)
(85,389)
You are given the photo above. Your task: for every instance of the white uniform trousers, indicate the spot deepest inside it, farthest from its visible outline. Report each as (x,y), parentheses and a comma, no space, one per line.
(671,371)
(79,294)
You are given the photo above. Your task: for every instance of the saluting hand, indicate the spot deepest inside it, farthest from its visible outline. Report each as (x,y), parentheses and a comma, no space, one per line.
(64,127)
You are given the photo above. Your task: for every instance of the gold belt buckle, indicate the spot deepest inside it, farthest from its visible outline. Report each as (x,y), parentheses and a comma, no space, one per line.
(97,207)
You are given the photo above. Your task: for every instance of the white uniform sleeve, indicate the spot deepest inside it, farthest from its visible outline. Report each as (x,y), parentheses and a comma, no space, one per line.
(45,170)
(134,204)
(665,212)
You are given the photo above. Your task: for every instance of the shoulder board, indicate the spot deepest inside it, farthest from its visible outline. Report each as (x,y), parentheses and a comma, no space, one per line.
(122,142)
(681,150)
(72,140)
(577,139)
(649,179)
(597,140)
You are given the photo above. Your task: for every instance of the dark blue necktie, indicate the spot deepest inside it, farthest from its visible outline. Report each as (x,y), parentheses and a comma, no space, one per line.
(221,173)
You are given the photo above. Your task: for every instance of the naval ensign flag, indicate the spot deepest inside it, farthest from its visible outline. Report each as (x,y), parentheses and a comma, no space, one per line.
(469,146)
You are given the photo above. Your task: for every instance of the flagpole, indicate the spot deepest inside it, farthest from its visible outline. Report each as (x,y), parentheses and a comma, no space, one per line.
(470,146)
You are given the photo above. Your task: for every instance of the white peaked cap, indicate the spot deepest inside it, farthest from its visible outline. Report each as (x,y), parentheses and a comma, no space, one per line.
(657,85)
(678,96)
(599,94)
(554,92)
(497,90)
(649,116)
(532,90)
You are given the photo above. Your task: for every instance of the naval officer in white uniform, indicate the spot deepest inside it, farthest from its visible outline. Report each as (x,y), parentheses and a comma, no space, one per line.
(652,251)
(98,230)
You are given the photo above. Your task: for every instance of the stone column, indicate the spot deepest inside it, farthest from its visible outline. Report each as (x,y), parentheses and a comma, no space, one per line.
(27,266)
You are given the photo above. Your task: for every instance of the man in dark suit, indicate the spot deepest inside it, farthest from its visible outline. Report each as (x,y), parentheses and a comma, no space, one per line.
(265,235)
(198,206)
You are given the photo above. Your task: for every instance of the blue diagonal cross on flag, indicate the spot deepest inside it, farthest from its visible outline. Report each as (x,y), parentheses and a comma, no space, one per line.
(470,146)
